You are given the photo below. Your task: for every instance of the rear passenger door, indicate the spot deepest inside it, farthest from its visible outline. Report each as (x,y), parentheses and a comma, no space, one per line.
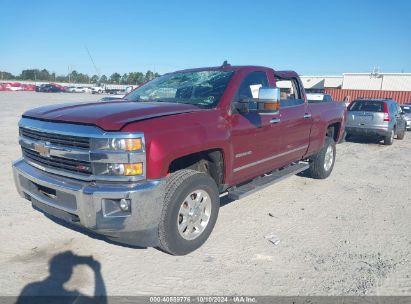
(295,119)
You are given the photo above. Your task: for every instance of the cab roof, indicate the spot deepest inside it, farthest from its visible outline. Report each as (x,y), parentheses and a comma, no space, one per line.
(237,68)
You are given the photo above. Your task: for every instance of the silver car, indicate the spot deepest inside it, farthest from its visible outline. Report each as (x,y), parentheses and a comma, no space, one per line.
(406,109)
(381,118)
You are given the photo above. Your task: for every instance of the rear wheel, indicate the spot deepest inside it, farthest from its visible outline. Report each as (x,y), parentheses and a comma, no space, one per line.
(322,163)
(389,139)
(402,134)
(190,211)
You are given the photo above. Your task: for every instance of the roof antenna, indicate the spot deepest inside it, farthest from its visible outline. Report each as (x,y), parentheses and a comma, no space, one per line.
(225,64)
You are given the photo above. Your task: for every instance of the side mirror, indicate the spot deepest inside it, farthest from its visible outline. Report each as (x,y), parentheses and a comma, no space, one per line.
(268,102)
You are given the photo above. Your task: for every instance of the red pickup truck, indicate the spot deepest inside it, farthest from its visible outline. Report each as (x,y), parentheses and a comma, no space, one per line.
(149,170)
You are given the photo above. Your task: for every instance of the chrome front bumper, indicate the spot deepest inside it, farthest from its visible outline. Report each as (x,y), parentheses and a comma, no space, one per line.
(83,203)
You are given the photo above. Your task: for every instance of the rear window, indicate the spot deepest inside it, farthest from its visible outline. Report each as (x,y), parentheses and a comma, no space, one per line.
(367,106)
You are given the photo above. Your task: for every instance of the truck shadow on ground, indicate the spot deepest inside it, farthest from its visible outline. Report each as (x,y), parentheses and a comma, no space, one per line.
(225,200)
(51,289)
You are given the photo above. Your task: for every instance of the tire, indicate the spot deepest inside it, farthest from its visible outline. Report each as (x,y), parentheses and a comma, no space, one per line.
(179,186)
(347,136)
(321,165)
(389,139)
(402,134)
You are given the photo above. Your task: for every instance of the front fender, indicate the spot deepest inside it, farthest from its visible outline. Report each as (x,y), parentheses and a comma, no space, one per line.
(171,137)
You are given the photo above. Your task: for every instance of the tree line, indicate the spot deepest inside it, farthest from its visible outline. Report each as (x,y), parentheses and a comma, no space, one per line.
(76,77)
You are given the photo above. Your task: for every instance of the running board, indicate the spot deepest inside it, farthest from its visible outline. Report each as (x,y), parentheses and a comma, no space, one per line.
(265,181)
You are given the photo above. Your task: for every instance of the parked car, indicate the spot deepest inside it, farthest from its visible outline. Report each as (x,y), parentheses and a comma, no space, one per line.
(97,90)
(49,88)
(149,170)
(70,89)
(76,89)
(376,117)
(15,88)
(319,97)
(406,109)
(39,87)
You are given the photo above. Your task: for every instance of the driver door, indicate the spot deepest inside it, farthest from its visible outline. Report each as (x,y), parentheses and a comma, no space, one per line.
(255,138)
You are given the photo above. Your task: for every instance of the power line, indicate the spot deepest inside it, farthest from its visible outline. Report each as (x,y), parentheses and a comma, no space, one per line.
(91,58)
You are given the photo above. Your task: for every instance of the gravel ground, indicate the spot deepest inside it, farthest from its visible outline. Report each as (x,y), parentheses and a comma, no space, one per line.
(347,235)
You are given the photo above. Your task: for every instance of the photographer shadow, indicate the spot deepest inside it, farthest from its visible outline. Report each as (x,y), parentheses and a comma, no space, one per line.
(51,289)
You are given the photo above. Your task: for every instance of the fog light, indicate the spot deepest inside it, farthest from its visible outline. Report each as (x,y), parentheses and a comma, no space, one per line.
(124,204)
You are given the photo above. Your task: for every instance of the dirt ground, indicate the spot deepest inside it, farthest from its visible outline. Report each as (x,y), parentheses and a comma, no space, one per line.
(347,235)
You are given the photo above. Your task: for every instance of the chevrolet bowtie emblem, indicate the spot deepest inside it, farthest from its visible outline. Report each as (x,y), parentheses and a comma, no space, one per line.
(42,149)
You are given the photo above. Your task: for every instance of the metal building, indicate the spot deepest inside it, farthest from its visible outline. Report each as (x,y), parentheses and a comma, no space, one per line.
(377,81)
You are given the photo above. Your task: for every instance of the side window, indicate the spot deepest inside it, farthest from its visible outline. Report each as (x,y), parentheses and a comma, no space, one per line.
(251,84)
(290,92)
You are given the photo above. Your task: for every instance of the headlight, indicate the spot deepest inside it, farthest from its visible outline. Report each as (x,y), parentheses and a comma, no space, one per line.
(117,144)
(129,144)
(118,169)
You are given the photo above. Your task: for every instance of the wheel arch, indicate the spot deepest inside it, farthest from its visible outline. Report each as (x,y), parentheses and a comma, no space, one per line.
(334,131)
(209,161)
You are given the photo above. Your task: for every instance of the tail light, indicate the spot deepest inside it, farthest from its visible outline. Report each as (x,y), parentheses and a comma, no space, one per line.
(386,114)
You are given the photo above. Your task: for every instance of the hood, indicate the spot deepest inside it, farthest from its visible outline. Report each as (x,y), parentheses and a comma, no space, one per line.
(109,116)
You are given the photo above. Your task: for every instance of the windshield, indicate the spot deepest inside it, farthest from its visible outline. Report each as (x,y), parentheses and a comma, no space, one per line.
(406,109)
(200,88)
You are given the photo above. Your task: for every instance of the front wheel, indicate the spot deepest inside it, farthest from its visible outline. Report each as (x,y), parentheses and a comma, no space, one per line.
(190,211)
(322,163)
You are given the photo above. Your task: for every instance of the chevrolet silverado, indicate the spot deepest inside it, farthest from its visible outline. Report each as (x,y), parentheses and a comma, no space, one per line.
(149,169)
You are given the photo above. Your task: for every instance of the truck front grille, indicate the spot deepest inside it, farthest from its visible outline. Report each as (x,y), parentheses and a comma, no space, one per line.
(58,163)
(56,139)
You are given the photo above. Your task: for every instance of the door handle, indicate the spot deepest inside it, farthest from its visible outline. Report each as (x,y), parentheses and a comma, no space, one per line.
(307,115)
(274,120)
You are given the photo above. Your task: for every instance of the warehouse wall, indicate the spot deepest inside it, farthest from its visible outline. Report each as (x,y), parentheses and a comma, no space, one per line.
(395,83)
(340,94)
(362,82)
(382,81)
